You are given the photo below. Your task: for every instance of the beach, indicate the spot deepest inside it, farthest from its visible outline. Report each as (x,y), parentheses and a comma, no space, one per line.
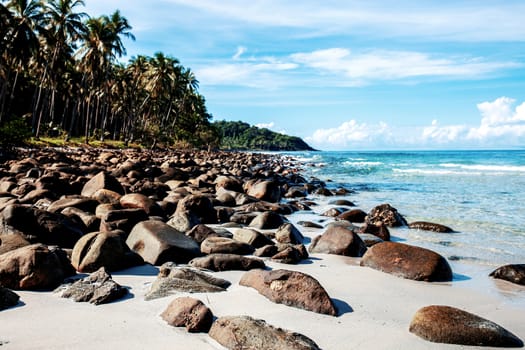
(375,309)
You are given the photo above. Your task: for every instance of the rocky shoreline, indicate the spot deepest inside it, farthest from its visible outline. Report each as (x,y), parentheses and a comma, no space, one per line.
(66,213)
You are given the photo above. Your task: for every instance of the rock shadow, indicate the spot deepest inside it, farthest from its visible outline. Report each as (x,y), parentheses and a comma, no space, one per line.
(457,277)
(142,270)
(342,307)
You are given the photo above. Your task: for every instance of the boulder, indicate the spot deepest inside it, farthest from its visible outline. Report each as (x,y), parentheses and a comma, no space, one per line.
(291,254)
(339,241)
(252,237)
(266,251)
(10,242)
(266,190)
(90,221)
(184,221)
(190,313)
(344,202)
(157,242)
(79,202)
(288,233)
(98,288)
(34,267)
(369,239)
(445,324)
(172,279)
(8,299)
(430,226)
(137,200)
(200,206)
(106,196)
(291,288)
(514,273)
(380,230)
(103,249)
(387,215)
(353,215)
(200,232)
(333,212)
(408,261)
(225,245)
(101,181)
(309,224)
(226,262)
(230,183)
(244,332)
(267,220)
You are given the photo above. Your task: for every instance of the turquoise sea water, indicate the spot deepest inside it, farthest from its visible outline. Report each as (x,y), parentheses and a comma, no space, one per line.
(480,194)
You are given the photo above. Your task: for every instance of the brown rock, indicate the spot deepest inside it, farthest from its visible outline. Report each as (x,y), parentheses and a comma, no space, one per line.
(380,230)
(244,332)
(34,267)
(225,245)
(226,262)
(251,237)
(137,200)
(190,313)
(291,288)
(387,215)
(106,196)
(99,181)
(228,183)
(445,324)
(10,242)
(288,233)
(353,215)
(265,190)
(514,273)
(8,298)
(291,254)
(267,220)
(430,226)
(407,261)
(200,232)
(339,241)
(200,206)
(266,251)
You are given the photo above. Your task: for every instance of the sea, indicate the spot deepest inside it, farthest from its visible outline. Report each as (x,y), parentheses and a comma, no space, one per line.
(479,194)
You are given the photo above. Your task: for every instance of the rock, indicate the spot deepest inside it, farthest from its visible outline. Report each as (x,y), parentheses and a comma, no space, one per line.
(353,215)
(291,288)
(288,233)
(344,202)
(445,324)
(408,261)
(333,212)
(10,242)
(103,249)
(291,254)
(137,200)
(267,220)
(106,196)
(252,237)
(228,183)
(90,221)
(34,267)
(8,299)
(266,190)
(266,251)
(98,288)
(190,313)
(309,224)
(296,192)
(323,192)
(156,242)
(430,226)
(225,245)
(514,273)
(200,232)
(244,332)
(387,215)
(369,239)
(101,181)
(200,206)
(226,262)
(380,230)
(184,221)
(172,279)
(82,203)
(339,241)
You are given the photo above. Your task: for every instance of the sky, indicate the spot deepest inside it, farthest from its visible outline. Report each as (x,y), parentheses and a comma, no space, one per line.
(345,74)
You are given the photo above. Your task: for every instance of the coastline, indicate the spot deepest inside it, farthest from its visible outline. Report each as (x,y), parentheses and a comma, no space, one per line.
(375,308)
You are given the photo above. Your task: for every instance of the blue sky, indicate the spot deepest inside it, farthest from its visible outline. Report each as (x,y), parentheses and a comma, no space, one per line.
(346,75)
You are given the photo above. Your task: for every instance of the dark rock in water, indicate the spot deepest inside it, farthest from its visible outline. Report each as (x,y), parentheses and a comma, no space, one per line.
(353,215)
(309,224)
(244,332)
(288,233)
(380,230)
(445,324)
(387,215)
(103,249)
(8,299)
(251,237)
(157,242)
(344,202)
(296,192)
(514,273)
(339,241)
(10,242)
(101,181)
(407,261)
(172,279)
(267,220)
(226,262)
(323,192)
(430,226)
(333,212)
(291,288)
(98,288)
(34,267)
(225,245)
(190,313)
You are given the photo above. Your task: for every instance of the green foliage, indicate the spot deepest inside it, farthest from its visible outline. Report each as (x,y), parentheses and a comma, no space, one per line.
(14,132)
(243,136)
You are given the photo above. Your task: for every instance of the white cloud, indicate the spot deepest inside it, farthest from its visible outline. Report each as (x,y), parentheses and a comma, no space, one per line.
(240,51)
(265,125)
(351,134)
(443,134)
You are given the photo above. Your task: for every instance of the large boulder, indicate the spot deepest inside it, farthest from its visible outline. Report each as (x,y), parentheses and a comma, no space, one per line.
(266,190)
(190,313)
(103,249)
(101,181)
(138,200)
(225,245)
(352,215)
(34,267)
(380,230)
(172,279)
(408,261)
(251,237)
(339,241)
(387,215)
(267,220)
(8,298)
(98,288)
(290,288)
(290,254)
(445,324)
(200,206)
(157,242)
(288,233)
(244,332)
(514,273)
(226,262)
(10,242)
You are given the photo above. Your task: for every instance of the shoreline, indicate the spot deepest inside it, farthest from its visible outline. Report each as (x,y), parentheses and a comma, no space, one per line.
(375,308)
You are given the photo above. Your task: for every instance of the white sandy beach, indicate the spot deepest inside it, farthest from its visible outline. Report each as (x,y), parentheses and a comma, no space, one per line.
(376,310)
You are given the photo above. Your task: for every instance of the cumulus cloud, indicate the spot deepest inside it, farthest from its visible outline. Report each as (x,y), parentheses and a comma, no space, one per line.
(265,125)
(351,134)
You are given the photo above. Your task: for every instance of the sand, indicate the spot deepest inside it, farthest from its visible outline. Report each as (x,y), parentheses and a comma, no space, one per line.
(375,310)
